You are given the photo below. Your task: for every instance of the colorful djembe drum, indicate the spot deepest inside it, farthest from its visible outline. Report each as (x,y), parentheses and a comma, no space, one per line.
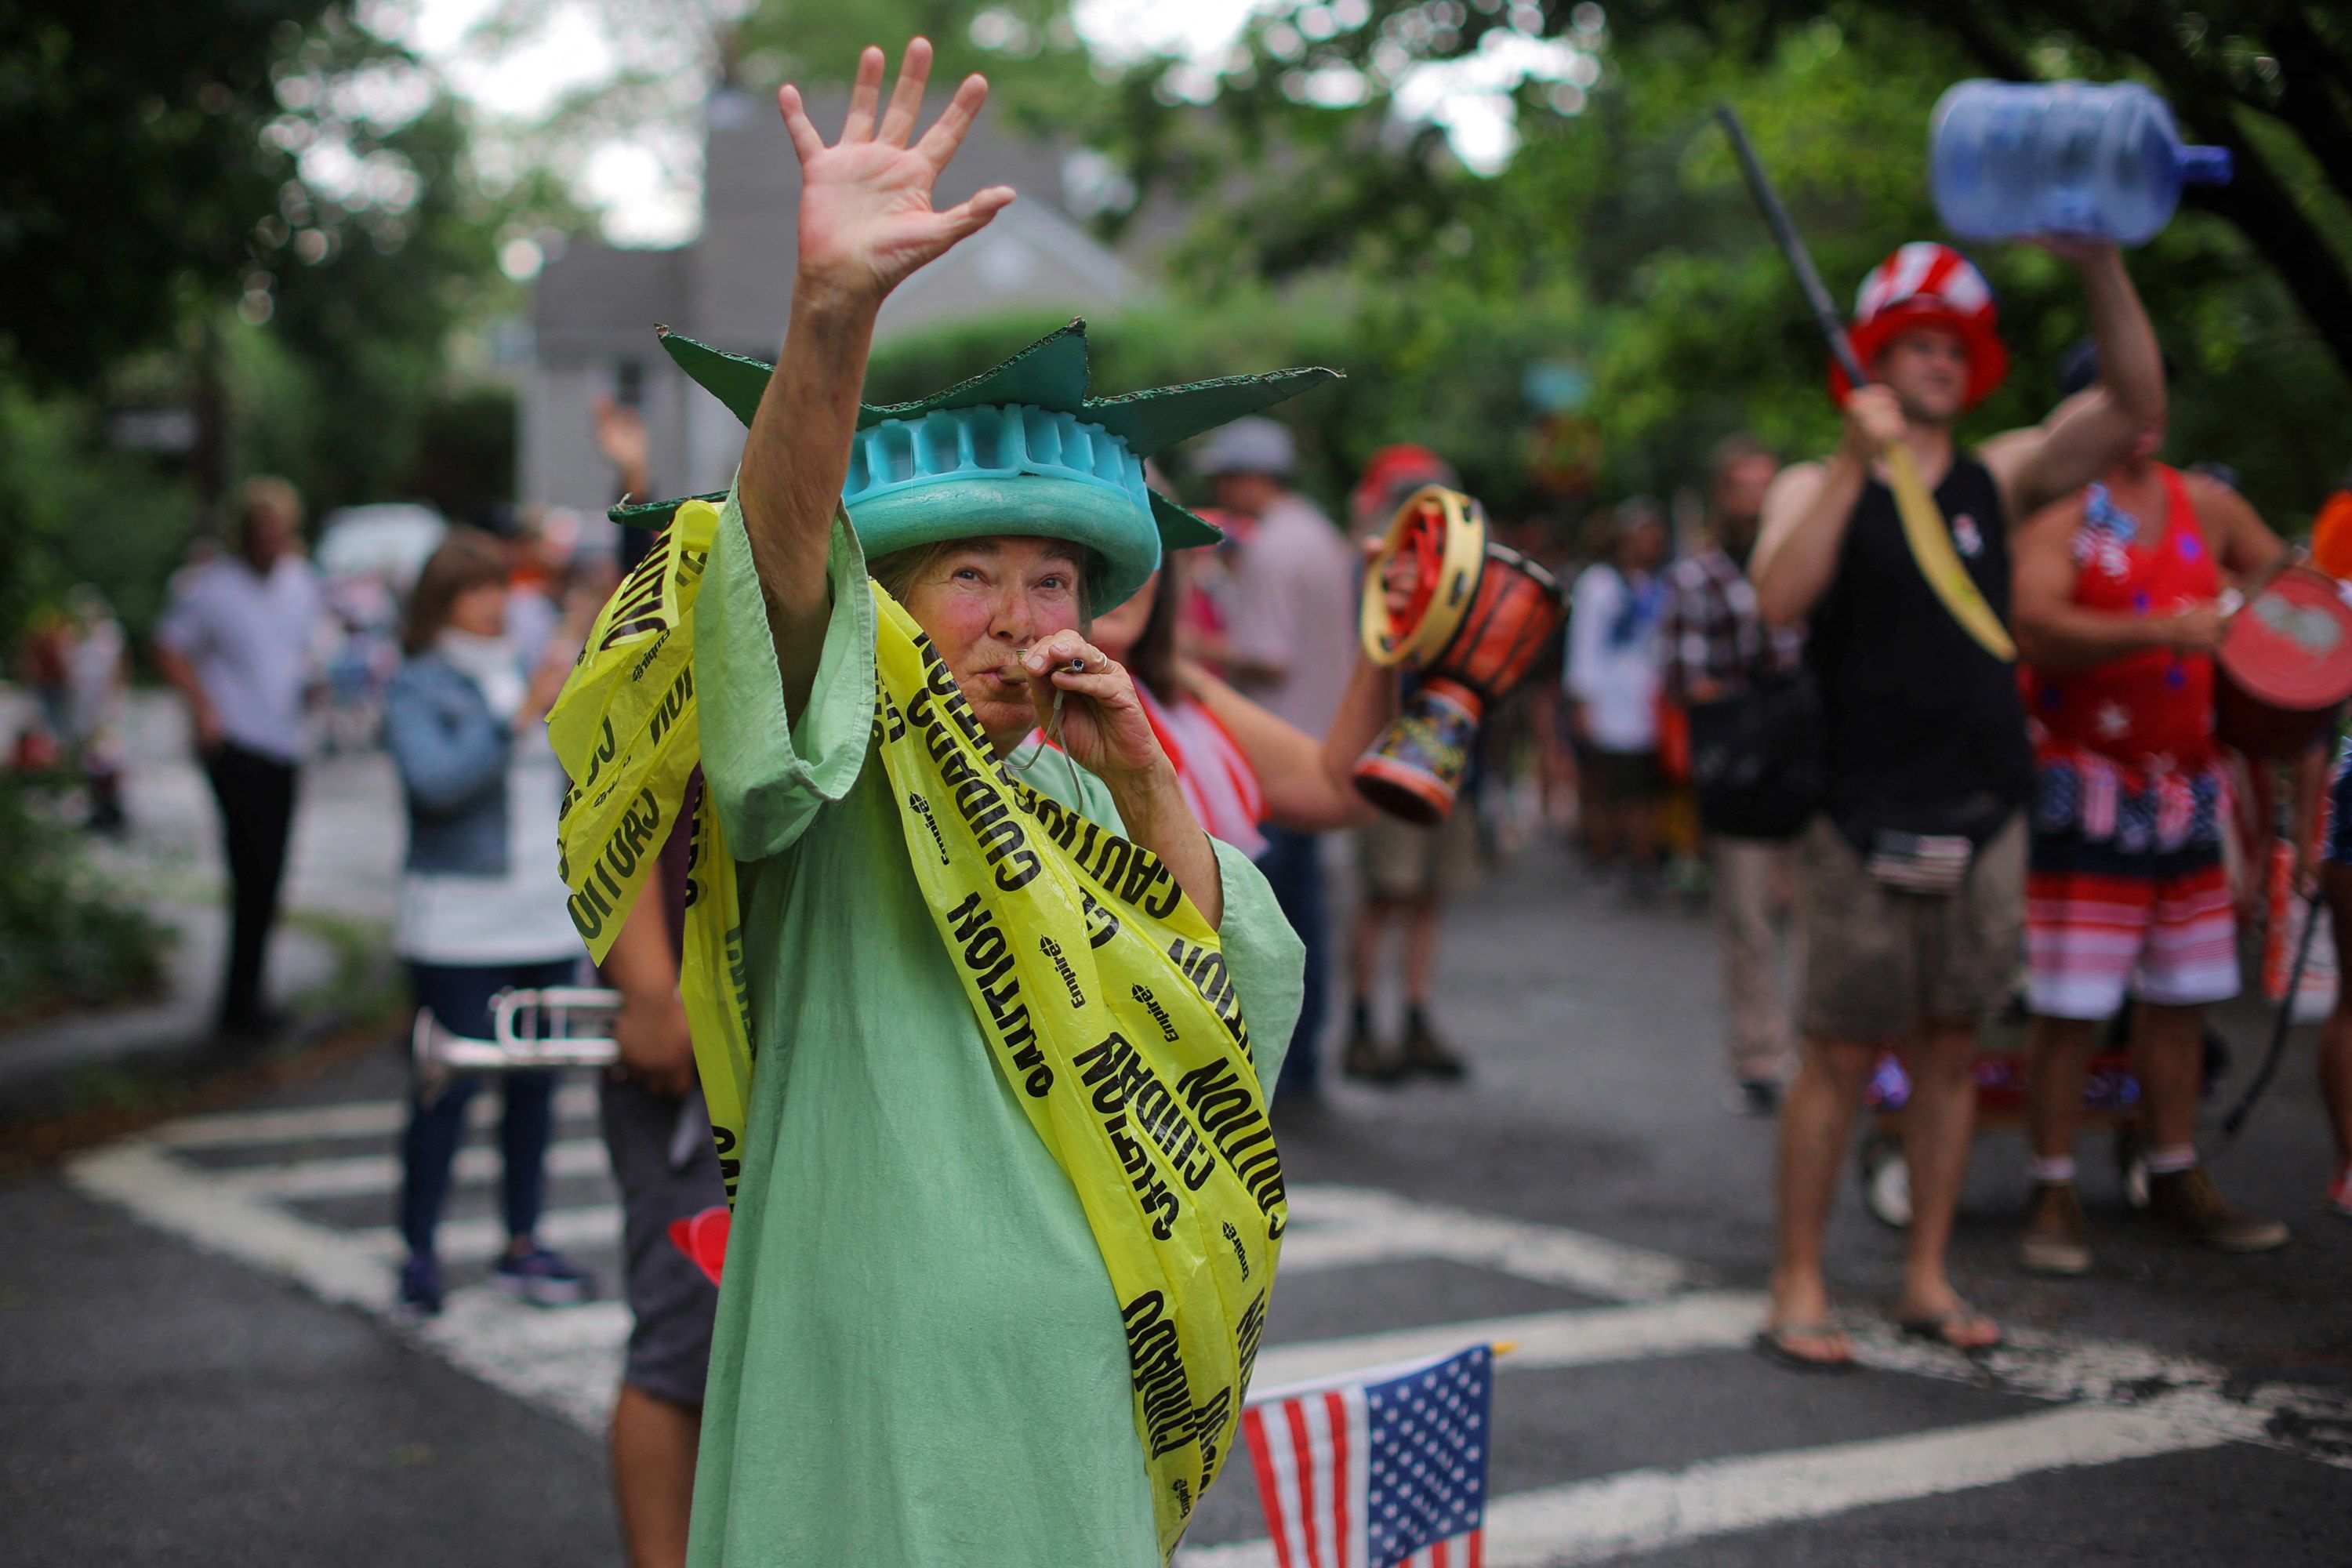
(1478,615)
(2284,668)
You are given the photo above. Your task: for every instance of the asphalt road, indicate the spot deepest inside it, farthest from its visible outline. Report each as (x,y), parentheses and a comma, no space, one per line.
(196,1366)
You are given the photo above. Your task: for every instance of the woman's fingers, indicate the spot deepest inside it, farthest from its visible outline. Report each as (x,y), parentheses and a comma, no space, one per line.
(1062,647)
(907,98)
(969,217)
(807,141)
(947,134)
(1109,686)
(864,97)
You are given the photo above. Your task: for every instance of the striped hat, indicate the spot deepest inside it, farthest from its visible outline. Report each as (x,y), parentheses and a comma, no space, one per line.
(1926,284)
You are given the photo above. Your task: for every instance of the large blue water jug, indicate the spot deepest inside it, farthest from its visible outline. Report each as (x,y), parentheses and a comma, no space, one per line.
(2090,159)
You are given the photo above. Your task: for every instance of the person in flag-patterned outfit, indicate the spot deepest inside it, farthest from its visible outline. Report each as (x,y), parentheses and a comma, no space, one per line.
(2117,619)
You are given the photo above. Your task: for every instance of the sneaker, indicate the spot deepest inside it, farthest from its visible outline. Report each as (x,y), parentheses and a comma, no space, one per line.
(2057,1238)
(1753,1097)
(2340,1191)
(2186,1201)
(1424,1052)
(1364,1059)
(542,1277)
(420,1288)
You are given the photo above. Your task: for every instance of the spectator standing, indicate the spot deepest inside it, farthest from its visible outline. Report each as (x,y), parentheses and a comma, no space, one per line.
(1292,646)
(97,676)
(1911,883)
(1734,675)
(482,900)
(657,1135)
(1615,661)
(1405,870)
(2118,616)
(236,644)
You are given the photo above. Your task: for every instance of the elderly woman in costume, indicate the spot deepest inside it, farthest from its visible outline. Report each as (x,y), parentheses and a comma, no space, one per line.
(999,1255)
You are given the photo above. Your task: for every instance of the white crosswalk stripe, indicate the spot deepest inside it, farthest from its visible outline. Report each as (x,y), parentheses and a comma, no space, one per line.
(2108,1402)
(367,1118)
(1642,1510)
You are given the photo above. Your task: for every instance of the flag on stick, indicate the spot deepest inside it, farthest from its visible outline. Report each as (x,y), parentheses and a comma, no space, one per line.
(1384,1468)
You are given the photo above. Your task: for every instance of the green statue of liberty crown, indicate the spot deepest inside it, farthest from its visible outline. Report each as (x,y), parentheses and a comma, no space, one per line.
(1020,449)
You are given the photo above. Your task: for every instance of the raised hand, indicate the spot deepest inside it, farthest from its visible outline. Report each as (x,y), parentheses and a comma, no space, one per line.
(621,438)
(866,219)
(1873,418)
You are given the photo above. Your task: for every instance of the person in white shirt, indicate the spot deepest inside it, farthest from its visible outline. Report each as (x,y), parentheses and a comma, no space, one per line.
(236,644)
(1615,660)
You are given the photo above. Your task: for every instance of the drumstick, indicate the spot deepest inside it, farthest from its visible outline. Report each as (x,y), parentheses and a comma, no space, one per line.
(1923,522)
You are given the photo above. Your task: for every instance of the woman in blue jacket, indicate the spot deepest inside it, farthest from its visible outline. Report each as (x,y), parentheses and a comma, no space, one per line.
(481,901)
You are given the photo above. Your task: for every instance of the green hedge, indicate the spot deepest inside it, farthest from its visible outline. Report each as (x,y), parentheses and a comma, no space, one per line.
(68,938)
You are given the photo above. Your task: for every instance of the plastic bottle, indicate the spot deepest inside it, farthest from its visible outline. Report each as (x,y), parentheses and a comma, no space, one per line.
(2090,159)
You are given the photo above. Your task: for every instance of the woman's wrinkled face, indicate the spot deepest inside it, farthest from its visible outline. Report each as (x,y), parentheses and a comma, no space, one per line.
(982,603)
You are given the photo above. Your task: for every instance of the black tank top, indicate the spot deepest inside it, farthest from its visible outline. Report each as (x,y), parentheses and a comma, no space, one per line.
(1924,730)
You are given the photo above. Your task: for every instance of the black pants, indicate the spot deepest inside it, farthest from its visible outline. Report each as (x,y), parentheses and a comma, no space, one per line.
(257,806)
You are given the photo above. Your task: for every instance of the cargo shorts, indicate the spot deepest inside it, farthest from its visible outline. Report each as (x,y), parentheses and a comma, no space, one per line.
(1879,960)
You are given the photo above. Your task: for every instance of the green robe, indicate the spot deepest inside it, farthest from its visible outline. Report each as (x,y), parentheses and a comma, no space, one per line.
(919,1360)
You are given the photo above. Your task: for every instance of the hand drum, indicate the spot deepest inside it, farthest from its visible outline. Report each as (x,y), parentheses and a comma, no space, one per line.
(2285,667)
(1477,615)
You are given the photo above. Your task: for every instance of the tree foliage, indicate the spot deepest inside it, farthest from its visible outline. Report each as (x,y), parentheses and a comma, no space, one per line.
(1313,153)
(137,167)
(281,240)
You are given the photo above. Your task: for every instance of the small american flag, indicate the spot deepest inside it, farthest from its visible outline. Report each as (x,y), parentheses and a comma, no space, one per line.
(1384,1468)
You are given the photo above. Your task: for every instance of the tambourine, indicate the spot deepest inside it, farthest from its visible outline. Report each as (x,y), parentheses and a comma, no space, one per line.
(2284,667)
(1478,616)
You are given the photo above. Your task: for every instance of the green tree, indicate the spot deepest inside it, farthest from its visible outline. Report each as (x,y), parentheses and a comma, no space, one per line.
(1313,154)
(301,302)
(137,171)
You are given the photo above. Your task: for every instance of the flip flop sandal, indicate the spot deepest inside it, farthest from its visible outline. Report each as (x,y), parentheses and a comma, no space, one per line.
(1938,1329)
(1773,1345)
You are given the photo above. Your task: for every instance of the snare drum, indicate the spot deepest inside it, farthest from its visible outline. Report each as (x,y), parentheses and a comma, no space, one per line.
(2284,667)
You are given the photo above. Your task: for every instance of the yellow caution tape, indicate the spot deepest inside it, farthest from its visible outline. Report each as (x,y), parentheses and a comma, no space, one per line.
(1931,548)
(1101,992)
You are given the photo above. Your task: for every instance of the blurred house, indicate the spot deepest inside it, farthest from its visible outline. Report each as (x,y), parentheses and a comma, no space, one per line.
(596,305)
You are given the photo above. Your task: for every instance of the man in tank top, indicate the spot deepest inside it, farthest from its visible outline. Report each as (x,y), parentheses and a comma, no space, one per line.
(2117,621)
(1912,878)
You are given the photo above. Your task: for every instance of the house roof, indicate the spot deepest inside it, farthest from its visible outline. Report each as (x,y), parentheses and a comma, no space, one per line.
(595,300)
